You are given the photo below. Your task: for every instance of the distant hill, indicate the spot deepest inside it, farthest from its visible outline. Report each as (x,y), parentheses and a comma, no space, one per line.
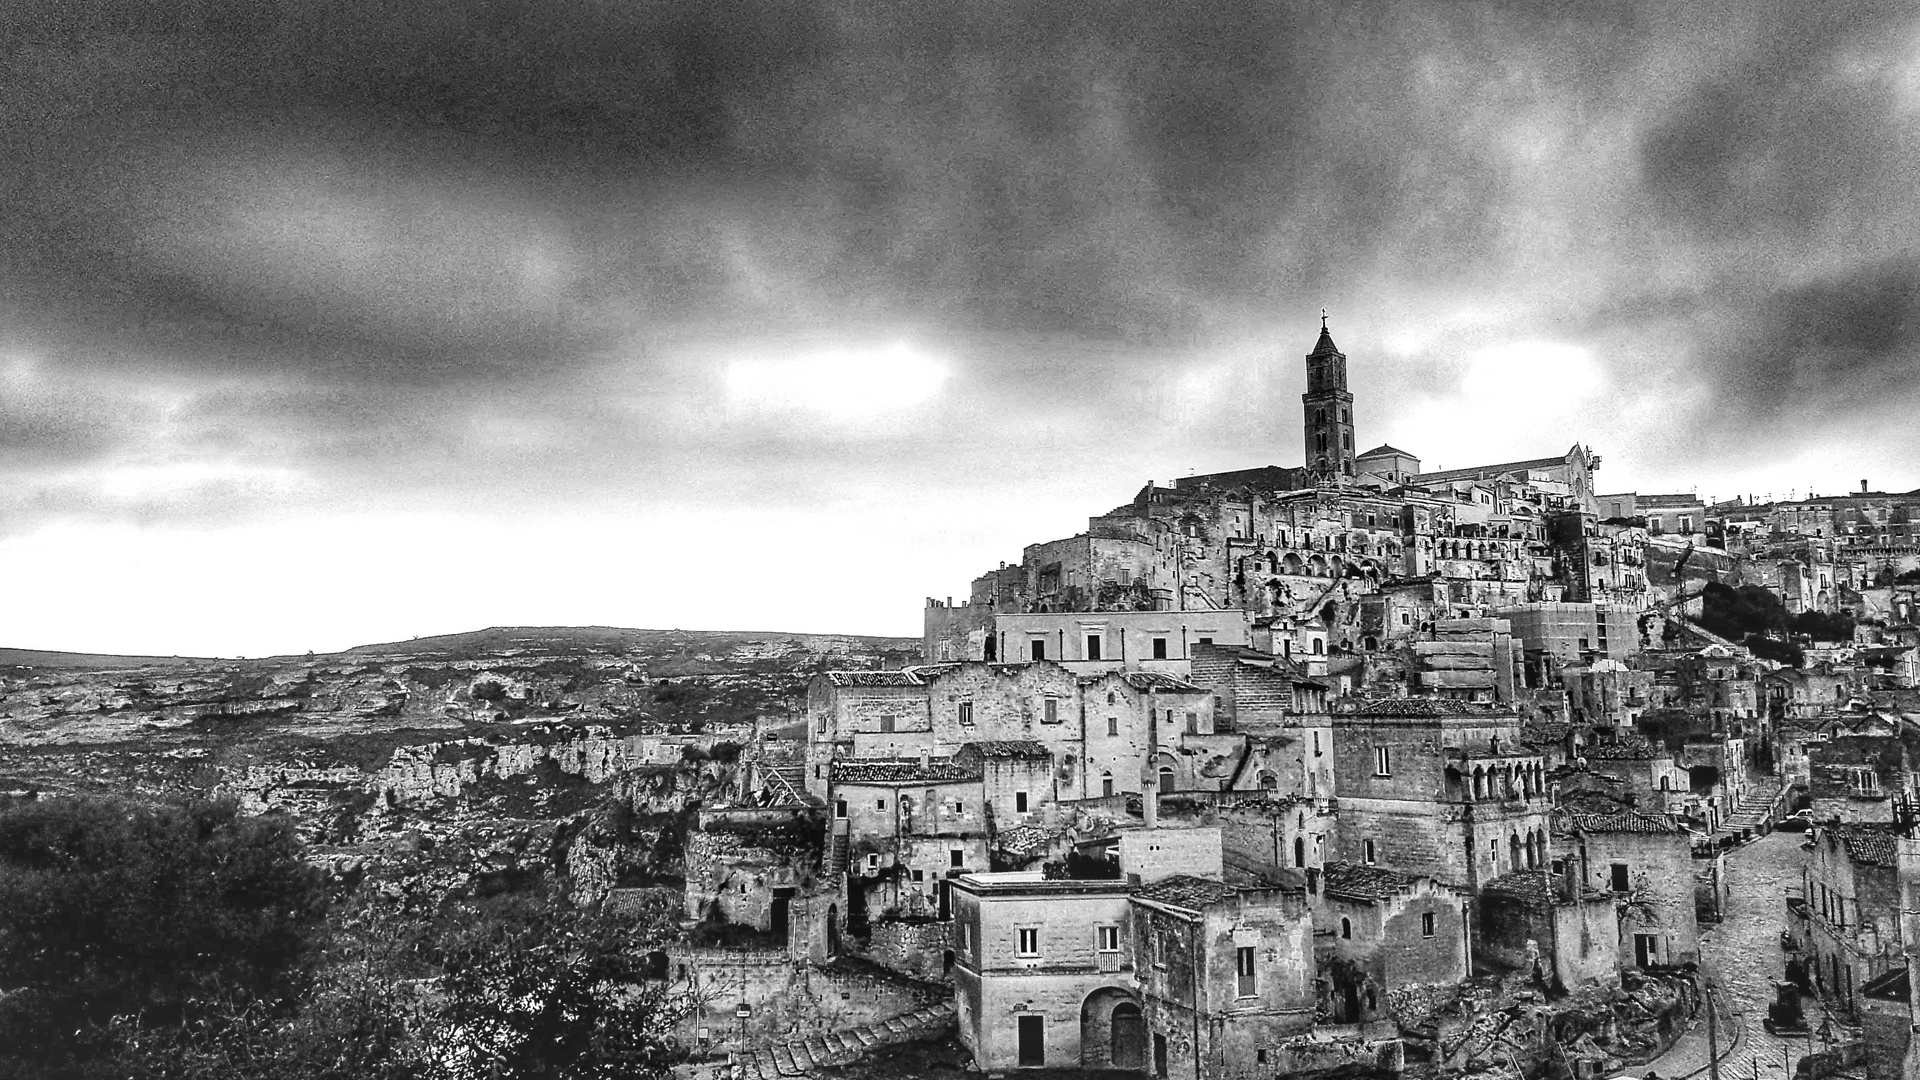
(495,641)
(45,658)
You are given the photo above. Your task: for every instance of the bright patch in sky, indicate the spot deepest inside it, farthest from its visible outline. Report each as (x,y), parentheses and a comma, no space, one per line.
(846,385)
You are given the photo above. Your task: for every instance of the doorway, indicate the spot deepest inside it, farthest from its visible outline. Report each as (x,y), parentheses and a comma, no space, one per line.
(782,904)
(1646,950)
(1160,1055)
(1033,1046)
(1127,1042)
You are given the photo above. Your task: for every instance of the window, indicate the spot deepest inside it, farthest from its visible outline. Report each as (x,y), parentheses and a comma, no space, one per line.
(1316,744)
(1038,648)
(1166,778)
(1318,646)
(1383,761)
(1106,784)
(840,808)
(1620,883)
(1093,646)
(966,712)
(1113,725)
(1243,967)
(879,804)
(1206,641)
(886,724)
(1366,851)
(1346,928)
(1426,924)
(1051,715)
(919,876)
(1193,723)
(1299,851)
(1159,648)
(873,862)
(1109,939)
(1019,802)
(956,857)
(1406,618)
(959,807)
(1029,941)
(966,936)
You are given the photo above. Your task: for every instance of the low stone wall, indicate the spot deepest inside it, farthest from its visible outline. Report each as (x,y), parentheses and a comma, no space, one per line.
(916,947)
(784,998)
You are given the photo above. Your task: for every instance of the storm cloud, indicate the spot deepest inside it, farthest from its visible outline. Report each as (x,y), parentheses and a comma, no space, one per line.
(563,260)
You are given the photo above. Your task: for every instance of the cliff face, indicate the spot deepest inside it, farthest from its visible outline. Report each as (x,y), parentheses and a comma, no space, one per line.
(444,765)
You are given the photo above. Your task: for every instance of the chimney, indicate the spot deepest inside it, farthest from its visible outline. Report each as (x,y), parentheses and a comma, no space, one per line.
(926,757)
(1863,487)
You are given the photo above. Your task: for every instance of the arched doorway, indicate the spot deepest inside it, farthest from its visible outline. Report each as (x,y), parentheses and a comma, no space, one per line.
(1113,1031)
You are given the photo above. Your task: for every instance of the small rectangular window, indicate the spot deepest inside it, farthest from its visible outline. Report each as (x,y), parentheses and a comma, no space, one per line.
(1243,966)
(959,807)
(1620,883)
(1029,941)
(966,712)
(1113,725)
(1093,646)
(1193,723)
(886,724)
(1159,648)
(921,875)
(956,857)
(1426,924)
(1038,648)
(1052,714)
(1316,744)
(879,804)
(1382,761)
(1366,851)
(1019,802)
(1109,939)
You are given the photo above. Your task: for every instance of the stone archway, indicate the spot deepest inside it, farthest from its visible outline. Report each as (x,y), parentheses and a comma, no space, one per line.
(1113,1031)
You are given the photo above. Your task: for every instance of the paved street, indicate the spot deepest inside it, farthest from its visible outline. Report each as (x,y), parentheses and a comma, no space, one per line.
(1744,956)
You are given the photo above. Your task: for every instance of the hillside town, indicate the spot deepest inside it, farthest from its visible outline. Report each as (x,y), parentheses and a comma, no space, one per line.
(1351,767)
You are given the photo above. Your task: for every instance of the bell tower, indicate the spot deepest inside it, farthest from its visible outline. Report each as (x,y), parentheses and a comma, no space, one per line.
(1329,410)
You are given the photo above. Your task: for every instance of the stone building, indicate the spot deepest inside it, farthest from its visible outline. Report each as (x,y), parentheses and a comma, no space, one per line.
(1645,862)
(1380,934)
(1226,974)
(1859,778)
(1438,787)
(1548,927)
(1851,926)
(1043,972)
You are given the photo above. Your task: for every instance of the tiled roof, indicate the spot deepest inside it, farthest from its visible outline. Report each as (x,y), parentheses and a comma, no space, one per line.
(1162,684)
(1023,840)
(913,676)
(1003,748)
(1623,821)
(1354,881)
(1871,846)
(1383,448)
(1546,733)
(1534,885)
(1414,707)
(903,771)
(1630,749)
(1188,892)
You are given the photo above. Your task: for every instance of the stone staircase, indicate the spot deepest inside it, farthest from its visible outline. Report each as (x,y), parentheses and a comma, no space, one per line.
(1756,804)
(801,1057)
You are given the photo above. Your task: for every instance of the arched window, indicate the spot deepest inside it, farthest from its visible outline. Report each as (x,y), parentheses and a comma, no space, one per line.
(1346,927)
(1166,778)
(1299,851)
(1666,783)
(1316,647)
(1320,442)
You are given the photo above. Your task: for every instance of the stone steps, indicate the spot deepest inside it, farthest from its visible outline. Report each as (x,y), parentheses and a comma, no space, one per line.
(801,1057)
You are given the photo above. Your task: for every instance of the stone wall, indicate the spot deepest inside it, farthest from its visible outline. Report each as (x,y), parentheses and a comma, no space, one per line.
(920,947)
(785,998)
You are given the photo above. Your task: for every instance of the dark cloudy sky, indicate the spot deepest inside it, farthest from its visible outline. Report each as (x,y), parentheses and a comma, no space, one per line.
(353,322)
